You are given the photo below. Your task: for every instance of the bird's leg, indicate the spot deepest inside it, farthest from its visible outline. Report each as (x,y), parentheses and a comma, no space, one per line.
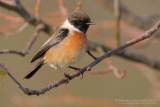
(77,69)
(65,74)
(90,54)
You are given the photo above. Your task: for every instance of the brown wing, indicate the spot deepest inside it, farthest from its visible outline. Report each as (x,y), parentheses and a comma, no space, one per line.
(53,40)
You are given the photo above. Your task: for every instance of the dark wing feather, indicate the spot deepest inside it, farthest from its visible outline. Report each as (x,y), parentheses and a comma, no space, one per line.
(56,38)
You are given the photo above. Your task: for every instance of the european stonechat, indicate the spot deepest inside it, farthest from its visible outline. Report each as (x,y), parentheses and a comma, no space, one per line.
(66,46)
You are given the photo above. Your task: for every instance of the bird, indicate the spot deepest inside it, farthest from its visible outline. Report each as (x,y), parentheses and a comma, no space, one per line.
(66,46)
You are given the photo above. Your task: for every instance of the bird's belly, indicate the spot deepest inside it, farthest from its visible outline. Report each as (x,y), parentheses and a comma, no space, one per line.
(69,51)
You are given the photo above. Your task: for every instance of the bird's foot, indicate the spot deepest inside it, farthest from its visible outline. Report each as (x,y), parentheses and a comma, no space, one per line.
(68,77)
(77,69)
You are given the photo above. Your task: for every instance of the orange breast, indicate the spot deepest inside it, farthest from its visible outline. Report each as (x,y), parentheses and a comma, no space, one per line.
(68,51)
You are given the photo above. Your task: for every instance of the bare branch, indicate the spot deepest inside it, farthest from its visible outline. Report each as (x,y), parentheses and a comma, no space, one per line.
(130,17)
(100,71)
(111,67)
(4,51)
(33,38)
(29,44)
(37,9)
(127,15)
(117,21)
(62,8)
(79,5)
(35,21)
(90,54)
(28,17)
(7,5)
(9,2)
(11,18)
(146,35)
(17,31)
(129,55)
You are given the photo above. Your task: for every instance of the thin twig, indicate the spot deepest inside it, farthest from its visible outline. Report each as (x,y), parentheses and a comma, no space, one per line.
(111,67)
(79,5)
(127,14)
(62,8)
(4,51)
(28,17)
(146,35)
(100,71)
(33,38)
(37,9)
(127,54)
(25,25)
(7,27)
(18,8)
(130,17)
(11,18)
(28,46)
(9,2)
(117,21)
(90,54)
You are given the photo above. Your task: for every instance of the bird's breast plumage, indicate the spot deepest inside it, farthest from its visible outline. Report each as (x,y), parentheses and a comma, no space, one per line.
(68,51)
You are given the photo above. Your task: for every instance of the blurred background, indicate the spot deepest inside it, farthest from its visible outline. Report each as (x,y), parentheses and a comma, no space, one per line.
(140,83)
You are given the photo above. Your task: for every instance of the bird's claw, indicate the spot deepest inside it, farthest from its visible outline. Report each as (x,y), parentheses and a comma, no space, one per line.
(77,69)
(68,77)
(80,70)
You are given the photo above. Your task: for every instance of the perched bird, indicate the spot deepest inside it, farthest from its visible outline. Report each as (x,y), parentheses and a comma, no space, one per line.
(66,46)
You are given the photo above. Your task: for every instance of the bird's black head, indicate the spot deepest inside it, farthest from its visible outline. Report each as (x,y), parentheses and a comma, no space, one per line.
(80,20)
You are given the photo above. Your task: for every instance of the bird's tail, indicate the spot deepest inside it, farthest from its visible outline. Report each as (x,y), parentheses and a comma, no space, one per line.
(36,68)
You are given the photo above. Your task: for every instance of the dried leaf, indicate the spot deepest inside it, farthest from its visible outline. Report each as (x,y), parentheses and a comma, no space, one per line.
(3,70)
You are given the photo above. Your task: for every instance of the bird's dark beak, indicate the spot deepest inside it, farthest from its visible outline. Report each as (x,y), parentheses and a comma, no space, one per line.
(91,23)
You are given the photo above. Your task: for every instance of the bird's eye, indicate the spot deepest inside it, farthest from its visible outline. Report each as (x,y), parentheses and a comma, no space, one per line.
(77,21)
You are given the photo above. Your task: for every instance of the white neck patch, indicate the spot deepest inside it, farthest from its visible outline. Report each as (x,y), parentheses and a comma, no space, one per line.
(66,24)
